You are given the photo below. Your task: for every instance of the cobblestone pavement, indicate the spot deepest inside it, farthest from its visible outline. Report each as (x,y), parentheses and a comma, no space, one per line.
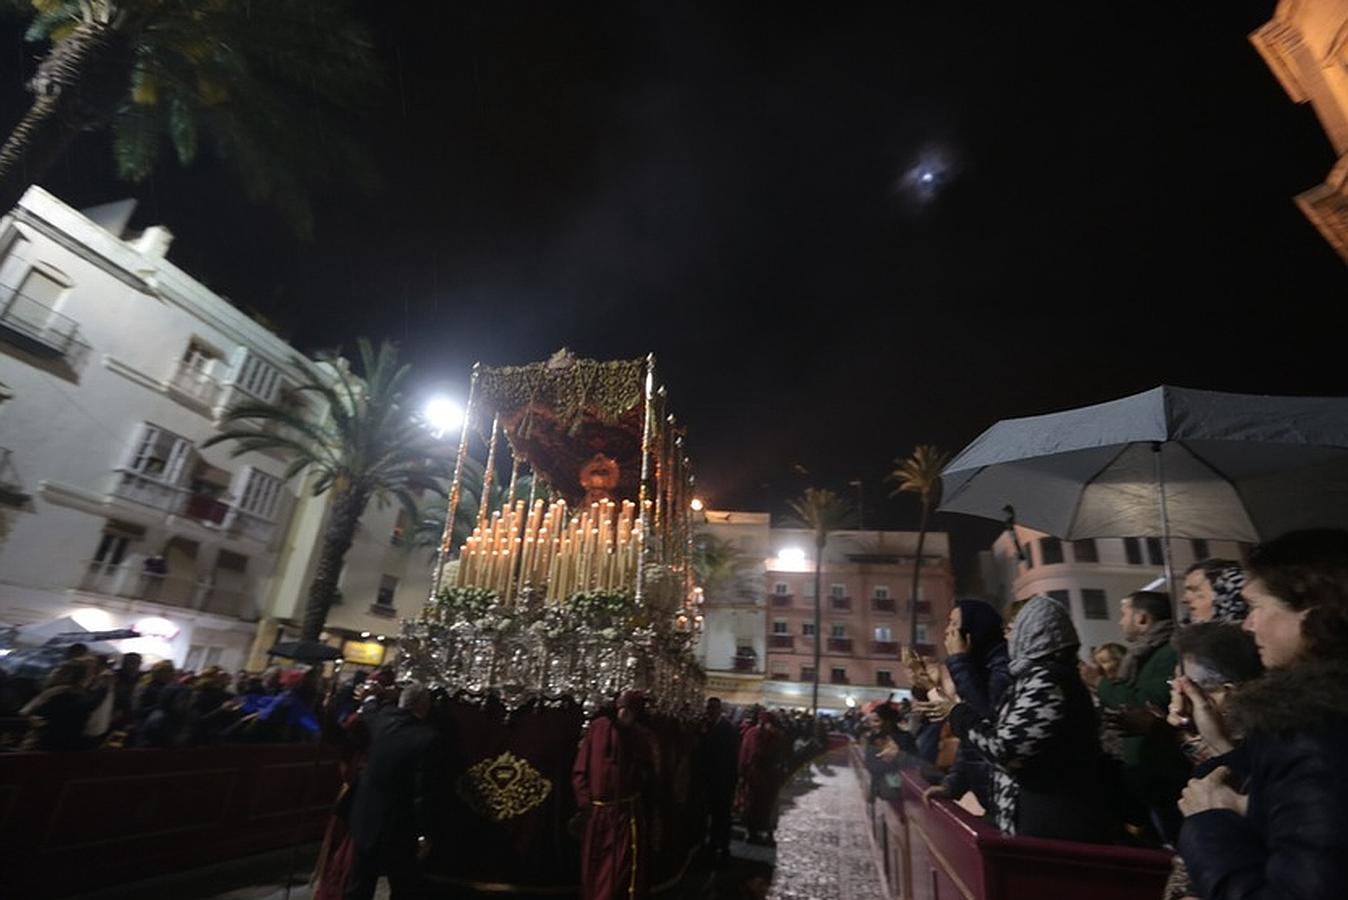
(823,850)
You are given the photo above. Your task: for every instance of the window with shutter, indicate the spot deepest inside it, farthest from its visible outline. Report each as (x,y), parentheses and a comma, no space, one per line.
(161,455)
(257,493)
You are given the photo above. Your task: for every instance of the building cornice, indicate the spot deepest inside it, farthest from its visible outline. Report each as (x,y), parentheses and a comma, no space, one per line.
(153,276)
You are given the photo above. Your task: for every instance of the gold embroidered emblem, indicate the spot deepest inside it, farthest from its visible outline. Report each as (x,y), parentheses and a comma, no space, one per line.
(503,788)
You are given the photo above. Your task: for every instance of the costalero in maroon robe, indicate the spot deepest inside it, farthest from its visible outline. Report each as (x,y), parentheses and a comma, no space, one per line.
(763,755)
(613,770)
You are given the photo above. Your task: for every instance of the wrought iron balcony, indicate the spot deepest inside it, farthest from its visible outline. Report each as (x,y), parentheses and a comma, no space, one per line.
(206,508)
(885,648)
(781,642)
(839,645)
(35,326)
(11,486)
(150,491)
(196,385)
(838,679)
(883,604)
(135,581)
(781,601)
(840,604)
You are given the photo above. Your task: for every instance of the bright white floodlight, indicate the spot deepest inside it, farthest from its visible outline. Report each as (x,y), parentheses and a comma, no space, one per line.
(442,414)
(793,555)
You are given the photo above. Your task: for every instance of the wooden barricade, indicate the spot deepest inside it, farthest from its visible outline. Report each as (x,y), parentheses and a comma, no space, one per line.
(72,822)
(942,852)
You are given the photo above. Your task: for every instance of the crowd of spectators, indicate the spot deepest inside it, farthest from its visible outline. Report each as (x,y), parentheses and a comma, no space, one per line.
(90,702)
(1216,730)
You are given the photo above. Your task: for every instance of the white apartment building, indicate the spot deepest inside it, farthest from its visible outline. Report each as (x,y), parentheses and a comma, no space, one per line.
(1091,576)
(115,366)
(733,644)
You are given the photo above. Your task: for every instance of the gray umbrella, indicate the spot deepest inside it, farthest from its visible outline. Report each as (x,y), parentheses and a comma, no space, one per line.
(1169,462)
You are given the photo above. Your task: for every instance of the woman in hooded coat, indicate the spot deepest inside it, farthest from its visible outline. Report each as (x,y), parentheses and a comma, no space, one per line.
(977,660)
(1043,741)
(1212,592)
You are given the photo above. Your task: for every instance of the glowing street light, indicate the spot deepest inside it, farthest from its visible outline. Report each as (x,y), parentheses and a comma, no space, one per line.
(442,414)
(697,504)
(793,555)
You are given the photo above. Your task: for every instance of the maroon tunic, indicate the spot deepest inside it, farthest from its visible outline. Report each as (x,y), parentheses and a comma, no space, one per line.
(763,755)
(613,769)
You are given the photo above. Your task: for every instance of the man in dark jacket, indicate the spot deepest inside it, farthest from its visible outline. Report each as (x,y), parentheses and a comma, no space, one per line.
(391,817)
(1154,769)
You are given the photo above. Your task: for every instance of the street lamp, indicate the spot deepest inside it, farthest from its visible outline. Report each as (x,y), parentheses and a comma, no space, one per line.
(442,414)
(697,504)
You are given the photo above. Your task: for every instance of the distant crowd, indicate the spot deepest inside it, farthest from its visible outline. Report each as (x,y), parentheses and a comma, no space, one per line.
(89,703)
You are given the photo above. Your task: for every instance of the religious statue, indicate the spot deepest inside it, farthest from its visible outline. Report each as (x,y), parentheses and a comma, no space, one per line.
(599,478)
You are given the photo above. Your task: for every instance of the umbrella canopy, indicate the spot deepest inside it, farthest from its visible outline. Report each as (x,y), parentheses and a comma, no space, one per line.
(305,651)
(39,633)
(1229,467)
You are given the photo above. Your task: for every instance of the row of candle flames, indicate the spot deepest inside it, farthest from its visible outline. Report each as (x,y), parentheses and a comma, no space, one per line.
(599,549)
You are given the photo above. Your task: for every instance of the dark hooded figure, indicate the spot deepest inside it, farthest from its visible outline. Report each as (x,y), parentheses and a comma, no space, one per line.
(612,777)
(978,663)
(764,754)
(719,747)
(1044,741)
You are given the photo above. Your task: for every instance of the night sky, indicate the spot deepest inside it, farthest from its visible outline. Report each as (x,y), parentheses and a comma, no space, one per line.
(842,230)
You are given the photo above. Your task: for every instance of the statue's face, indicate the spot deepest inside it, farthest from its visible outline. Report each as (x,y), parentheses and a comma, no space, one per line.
(599,473)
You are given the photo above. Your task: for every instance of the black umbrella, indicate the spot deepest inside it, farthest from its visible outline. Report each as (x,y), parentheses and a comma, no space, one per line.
(92,637)
(1169,462)
(305,651)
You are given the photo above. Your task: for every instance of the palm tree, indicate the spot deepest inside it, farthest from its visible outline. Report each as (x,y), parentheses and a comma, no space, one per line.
(724,571)
(919,474)
(367,445)
(822,512)
(260,81)
(429,525)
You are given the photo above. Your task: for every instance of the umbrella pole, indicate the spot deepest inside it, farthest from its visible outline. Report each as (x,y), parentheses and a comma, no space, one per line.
(1165,529)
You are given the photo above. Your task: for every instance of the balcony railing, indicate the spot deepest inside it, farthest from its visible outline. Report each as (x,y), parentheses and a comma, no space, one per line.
(884,680)
(383,610)
(838,679)
(883,604)
(246,524)
(925,649)
(924,607)
(744,663)
(781,601)
(144,489)
(134,582)
(177,500)
(840,604)
(839,645)
(885,648)
(205,508)
(37,326)
(196,385)
(11,486)
(781,642)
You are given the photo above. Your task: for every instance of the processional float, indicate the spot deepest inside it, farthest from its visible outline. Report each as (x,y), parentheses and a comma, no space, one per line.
(582,586)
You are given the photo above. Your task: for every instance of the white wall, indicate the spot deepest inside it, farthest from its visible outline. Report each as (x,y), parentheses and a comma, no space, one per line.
(1112,574)
(72,420)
